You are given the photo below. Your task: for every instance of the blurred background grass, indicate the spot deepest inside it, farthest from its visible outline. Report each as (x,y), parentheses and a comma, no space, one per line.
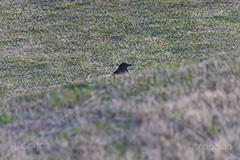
(48,43)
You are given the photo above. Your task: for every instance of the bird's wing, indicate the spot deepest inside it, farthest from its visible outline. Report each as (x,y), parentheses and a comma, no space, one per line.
(117,71)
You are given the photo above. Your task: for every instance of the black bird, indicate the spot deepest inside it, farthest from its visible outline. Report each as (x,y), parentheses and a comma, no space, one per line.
(122,68)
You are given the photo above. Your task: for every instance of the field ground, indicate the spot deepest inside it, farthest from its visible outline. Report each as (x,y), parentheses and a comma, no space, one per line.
(45,44)
(180,101)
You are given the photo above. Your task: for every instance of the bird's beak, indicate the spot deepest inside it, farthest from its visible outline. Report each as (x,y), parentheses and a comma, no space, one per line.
(130,65)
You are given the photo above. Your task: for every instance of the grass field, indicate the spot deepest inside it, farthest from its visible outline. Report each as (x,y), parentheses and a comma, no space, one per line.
(46,44)
(181,99)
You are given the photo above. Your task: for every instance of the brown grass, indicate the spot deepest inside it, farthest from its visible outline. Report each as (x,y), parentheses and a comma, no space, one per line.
(185,112)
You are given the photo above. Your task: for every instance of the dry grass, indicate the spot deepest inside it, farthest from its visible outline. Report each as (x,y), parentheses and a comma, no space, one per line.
(176,113)
(181,100)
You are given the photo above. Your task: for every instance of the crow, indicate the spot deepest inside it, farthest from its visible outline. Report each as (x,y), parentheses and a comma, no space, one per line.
(122,68)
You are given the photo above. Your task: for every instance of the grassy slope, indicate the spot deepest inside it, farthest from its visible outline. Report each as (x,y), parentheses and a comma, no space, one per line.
(47,43)
(132,120)
(126,120)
